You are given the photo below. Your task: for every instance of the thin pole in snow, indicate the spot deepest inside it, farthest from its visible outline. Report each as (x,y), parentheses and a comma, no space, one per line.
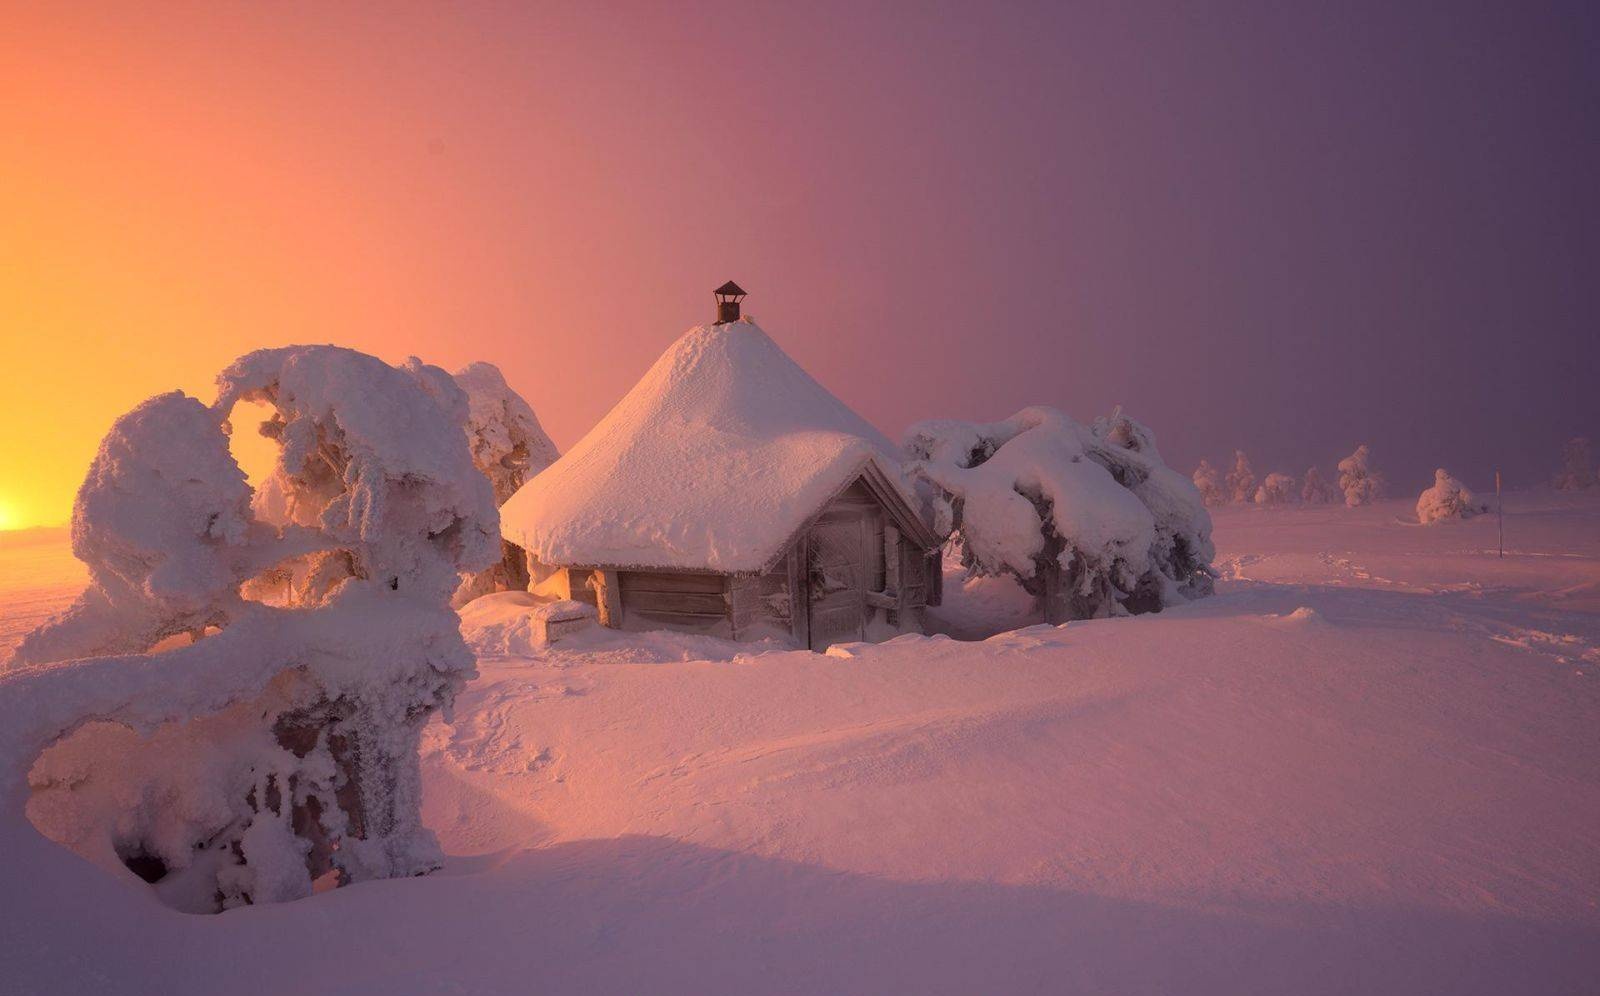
(1500,513)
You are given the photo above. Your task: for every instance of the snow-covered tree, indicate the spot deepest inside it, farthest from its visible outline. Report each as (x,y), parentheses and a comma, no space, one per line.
(280,744)
(1361,483)
(1447,499)
(1277,489)
(1241,479)
(164,525)
(1577,470)
(1090,521)
(508,446)
(1209,480)
(508,443)
(1315,490)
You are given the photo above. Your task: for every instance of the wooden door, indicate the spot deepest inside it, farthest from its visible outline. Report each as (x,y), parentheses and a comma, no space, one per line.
(837,566)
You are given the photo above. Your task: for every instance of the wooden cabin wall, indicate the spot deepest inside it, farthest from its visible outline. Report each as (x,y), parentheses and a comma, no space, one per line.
(693,602)
(900,579)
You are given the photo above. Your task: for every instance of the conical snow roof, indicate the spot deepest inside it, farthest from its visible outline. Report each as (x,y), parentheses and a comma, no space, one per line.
(714,460)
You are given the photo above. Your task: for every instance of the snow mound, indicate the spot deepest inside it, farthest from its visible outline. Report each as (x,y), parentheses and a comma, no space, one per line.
(517,624)
(1447,500)
(713,461)
(899,644)
(1305,615)
(975,606)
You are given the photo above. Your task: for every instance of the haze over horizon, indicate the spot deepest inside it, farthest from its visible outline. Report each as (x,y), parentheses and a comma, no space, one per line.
(1253,225)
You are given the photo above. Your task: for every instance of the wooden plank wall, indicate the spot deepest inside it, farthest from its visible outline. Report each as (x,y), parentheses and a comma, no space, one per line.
(902,578)
(692,601)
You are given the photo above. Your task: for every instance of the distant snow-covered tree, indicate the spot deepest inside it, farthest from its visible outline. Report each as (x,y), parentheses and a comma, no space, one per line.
(1361,483)
(1277,489)
(1241,479)
(1091,521)
(1447,499)
(1577,471)
(1209,480)
(1315,490)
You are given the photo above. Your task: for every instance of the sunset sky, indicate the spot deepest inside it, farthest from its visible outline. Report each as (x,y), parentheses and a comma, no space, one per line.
(1284,227)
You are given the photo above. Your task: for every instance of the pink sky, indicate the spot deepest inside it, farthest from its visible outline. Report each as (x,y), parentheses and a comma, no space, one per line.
(1289,230)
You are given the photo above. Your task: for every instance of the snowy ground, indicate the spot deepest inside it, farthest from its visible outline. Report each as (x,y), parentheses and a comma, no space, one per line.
(1370,764)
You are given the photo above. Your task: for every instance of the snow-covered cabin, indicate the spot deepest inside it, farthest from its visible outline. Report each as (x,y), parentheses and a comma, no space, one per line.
(731,494)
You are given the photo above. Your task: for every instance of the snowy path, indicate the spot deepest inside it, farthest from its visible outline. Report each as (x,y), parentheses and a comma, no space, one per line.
(1370,764)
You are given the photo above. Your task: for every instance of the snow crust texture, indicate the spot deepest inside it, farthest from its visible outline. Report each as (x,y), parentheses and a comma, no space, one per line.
(271,746)
(1046,500)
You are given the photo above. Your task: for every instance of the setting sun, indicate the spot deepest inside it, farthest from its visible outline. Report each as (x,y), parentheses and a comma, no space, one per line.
(9,519)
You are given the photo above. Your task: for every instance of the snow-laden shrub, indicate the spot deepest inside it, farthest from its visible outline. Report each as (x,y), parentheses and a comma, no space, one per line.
(1277,489)
(1241,479)
(508,446)
(1360,482)
(1447,499)
(1209,480)
(1314,489)
(281,745)
(1577,470)
(1089,520)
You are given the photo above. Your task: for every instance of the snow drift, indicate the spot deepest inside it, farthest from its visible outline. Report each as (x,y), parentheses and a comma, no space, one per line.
(1089,520)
